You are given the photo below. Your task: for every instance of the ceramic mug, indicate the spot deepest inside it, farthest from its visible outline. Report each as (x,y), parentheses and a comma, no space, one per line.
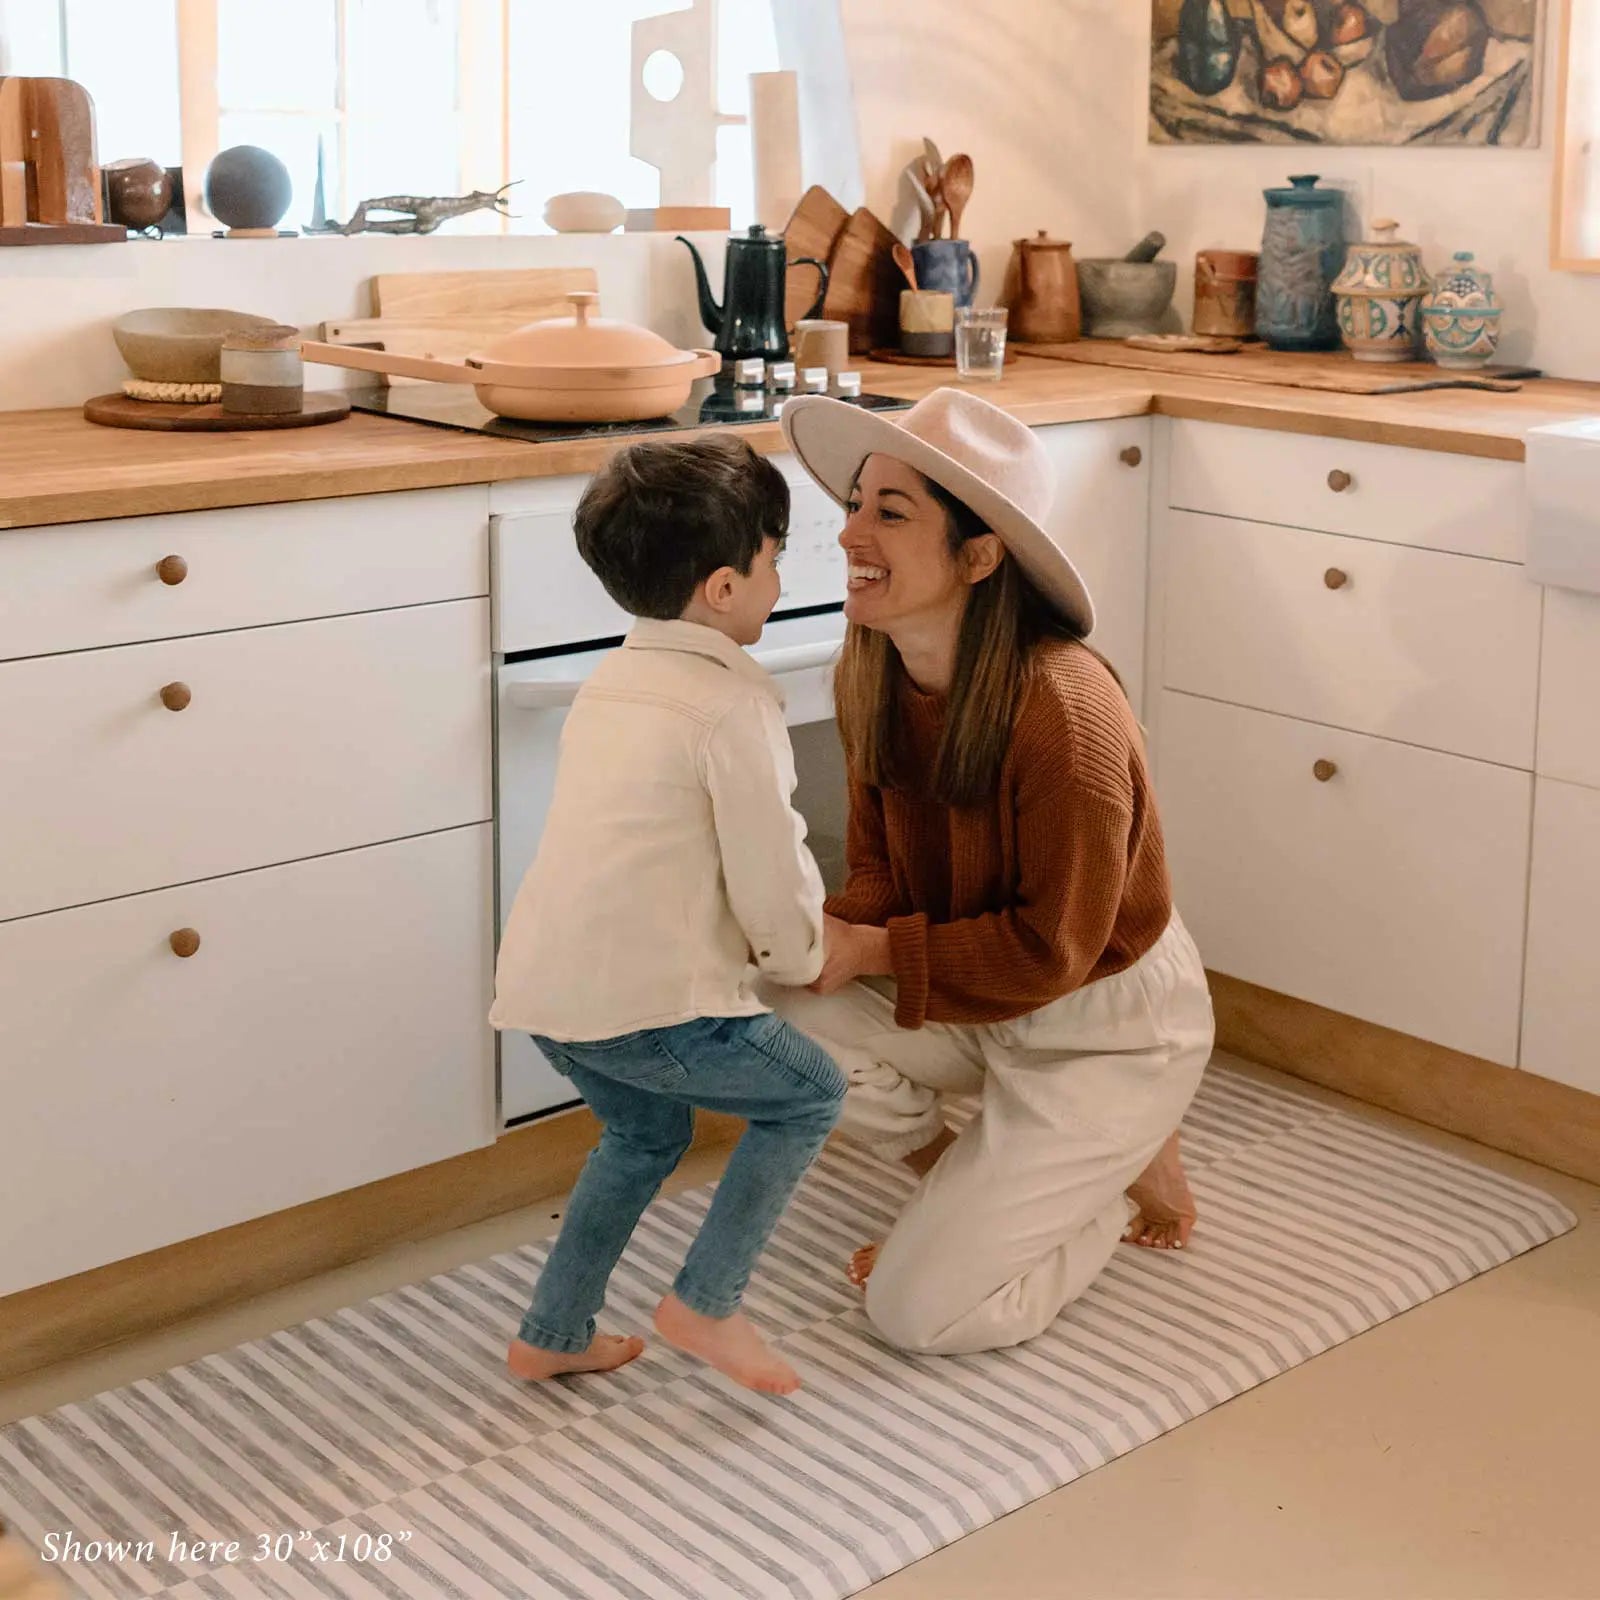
(947,265)
(927,322)
(822,343)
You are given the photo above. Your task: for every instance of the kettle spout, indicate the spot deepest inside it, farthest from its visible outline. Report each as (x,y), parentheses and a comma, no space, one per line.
(710,311)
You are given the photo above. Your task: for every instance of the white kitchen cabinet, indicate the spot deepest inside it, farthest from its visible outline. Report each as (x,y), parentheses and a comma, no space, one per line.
(1561,997)
(1433,499)
(295,740)
(1569,688)
(92,584)
(1390,887)
(1381,638)
(1101,518)
(327,1032)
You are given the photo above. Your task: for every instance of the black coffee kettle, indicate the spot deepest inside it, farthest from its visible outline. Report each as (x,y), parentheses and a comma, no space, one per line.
(750,320)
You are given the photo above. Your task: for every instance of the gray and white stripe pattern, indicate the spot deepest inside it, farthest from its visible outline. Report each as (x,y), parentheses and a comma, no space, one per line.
(664,1482)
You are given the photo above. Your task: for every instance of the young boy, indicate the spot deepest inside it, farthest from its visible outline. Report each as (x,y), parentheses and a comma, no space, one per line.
(671,871)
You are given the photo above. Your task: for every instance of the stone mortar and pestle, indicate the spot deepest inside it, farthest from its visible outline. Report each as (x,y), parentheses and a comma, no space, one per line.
(1129,296)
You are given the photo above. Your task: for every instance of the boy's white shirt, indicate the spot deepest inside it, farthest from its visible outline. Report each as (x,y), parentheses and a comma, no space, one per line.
(673,867)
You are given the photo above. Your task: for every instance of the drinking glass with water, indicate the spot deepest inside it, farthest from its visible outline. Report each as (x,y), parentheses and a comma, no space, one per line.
(980,342)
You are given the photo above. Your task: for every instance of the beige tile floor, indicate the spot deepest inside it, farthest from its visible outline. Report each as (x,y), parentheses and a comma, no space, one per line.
(1452,1454)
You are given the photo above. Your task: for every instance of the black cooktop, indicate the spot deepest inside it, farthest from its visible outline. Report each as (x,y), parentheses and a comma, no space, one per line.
(446,405)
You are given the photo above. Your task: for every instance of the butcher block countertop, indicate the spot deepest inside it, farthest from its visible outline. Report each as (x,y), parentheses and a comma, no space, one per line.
(56,468)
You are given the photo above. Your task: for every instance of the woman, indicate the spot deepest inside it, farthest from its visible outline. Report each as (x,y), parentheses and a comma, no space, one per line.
(1007,927)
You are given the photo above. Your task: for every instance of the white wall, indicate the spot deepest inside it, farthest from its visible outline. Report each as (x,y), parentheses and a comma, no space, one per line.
(1049,99)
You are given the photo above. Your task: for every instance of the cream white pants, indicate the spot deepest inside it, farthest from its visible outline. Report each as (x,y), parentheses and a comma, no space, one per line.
(1025,1208)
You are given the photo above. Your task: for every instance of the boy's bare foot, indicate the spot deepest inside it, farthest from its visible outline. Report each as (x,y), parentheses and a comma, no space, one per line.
(862,1263)
(1166,1206)
(923,1161)
(730,1344)
(608,1352)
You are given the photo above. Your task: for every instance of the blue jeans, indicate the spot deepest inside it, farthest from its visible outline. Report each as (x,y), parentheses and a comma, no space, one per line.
(644,1087)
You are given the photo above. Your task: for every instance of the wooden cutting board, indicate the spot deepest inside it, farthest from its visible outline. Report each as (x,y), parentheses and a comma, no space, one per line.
(448,315)
(812,231)
(157,416)
(1332,371)
(864,283)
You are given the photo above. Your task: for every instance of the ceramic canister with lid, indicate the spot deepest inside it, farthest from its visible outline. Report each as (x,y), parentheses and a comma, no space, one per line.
(1379,296)
(1461,315)
(1302,252)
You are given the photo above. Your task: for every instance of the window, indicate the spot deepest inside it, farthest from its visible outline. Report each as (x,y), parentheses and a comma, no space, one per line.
(1575,214)
(392,96)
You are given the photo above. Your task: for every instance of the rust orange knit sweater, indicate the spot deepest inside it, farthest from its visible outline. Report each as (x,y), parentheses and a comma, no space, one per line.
(996,910)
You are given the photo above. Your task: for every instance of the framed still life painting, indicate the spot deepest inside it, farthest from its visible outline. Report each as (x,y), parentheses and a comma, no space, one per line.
(1345,72)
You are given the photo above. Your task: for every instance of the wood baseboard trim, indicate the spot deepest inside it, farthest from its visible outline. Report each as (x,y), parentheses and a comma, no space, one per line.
(73,1316)
(1525,1115)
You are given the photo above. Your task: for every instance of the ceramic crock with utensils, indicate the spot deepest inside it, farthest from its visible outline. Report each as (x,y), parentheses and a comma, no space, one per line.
(927,322)
(750,321)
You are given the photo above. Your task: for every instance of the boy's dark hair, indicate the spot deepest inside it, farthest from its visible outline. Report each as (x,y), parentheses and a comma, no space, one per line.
(658,519)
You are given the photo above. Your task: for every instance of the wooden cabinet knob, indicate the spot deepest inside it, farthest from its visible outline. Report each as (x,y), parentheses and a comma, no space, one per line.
(1339,480)
(1335,578)
(184,942)
(175,696)
(1323,770)
(172,570)
(1132,456)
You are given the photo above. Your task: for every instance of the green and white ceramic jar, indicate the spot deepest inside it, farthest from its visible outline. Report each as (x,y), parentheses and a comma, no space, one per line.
(1379,297)
(1461,316)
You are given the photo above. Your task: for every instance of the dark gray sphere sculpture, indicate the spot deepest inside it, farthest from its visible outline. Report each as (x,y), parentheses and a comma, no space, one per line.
(248,187)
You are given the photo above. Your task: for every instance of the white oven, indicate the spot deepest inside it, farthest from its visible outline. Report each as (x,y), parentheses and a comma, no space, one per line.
(553,622)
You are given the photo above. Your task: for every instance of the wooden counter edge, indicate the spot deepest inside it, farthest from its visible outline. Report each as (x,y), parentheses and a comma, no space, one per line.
(1504,1108)
(73,1316)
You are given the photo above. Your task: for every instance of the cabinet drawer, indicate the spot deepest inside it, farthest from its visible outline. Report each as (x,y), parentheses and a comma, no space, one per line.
(1569,708)
(328,1031)
(1561,1001)
(296,740)
(1393,891)
(100,583)
(1374,637)
(1419,497)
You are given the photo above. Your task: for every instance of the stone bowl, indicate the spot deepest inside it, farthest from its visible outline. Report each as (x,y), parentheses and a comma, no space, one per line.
(1123,298)
(177,344)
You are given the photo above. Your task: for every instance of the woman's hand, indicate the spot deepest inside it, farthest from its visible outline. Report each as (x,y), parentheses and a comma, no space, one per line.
(851,952)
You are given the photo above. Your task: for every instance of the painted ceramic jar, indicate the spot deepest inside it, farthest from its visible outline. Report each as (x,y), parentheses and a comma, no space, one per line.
(1302,252)
(1461,315)
(1379,297)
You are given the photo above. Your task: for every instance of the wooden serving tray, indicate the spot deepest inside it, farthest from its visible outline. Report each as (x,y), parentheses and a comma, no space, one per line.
(160,416)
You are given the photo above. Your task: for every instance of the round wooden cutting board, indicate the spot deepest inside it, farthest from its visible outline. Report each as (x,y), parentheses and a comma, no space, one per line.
(118,411)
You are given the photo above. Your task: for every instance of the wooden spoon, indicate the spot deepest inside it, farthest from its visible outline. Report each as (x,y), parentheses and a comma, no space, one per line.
(957,190)
(906,263)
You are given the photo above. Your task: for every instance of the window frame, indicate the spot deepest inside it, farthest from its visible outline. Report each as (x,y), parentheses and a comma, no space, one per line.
(1577,123)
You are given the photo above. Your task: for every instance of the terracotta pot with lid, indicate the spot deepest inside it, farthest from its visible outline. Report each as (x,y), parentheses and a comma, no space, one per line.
(584,368)
(1041,291)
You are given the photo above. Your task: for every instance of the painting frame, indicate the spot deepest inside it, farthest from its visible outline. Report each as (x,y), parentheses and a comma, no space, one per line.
(1373,73)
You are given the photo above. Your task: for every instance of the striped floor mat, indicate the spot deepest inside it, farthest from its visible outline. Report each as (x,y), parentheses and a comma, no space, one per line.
(381,1452)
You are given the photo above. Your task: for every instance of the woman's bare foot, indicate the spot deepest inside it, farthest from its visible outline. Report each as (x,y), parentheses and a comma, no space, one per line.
(730,1344)
(607,1352)
(1166,1205)
(923,1161)
(862,1263)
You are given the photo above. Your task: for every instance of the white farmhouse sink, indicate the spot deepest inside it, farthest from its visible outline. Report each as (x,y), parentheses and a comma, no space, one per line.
(1563,497)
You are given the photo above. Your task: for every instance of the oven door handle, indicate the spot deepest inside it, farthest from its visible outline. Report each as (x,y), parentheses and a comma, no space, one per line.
(554,693)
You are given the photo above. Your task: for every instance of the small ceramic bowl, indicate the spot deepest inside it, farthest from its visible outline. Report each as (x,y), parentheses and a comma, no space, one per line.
(584,211)
(176,344)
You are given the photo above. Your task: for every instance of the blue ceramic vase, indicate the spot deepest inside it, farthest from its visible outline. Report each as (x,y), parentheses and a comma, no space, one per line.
(1302,252)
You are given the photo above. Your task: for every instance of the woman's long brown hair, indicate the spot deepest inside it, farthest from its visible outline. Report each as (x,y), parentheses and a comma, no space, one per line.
(1006,617)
